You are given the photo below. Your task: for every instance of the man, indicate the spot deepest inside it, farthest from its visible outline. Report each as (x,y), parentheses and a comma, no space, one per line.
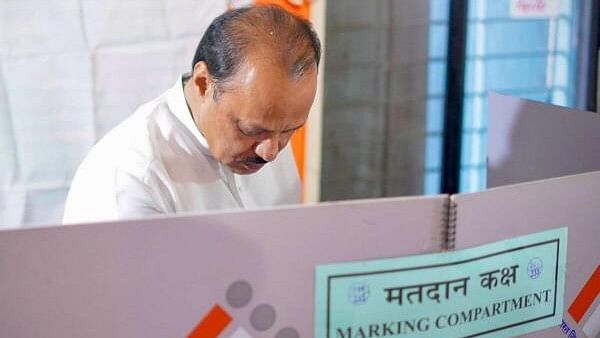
(218,138)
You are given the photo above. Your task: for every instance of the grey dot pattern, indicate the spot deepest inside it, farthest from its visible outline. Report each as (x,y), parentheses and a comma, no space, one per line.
(287,332)
(262,317)
(239,294)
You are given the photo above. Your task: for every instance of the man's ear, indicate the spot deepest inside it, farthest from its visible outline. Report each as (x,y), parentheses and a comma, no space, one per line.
(202,80)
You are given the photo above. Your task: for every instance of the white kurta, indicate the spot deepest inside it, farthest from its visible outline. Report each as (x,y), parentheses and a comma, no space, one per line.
(157,162)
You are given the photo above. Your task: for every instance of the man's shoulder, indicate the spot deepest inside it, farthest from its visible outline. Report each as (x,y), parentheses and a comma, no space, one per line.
(132,139)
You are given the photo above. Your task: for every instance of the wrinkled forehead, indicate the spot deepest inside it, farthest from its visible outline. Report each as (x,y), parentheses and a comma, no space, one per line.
(263,63)
(270,98)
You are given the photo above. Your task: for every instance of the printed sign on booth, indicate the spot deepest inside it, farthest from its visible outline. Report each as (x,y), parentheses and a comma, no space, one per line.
(502,289)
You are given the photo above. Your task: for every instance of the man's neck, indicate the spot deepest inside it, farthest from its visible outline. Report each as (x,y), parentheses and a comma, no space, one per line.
(187,89)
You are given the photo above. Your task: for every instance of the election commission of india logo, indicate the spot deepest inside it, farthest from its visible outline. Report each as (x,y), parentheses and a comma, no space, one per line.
(262,317)
(535,268)
(358,293)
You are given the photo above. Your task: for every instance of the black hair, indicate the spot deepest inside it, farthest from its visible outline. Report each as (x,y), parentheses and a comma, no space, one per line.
(292,41)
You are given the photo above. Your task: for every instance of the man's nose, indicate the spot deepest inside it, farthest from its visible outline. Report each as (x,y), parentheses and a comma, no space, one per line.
(268,149)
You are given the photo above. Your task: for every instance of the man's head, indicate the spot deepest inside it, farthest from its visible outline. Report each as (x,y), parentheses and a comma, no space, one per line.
(253,84)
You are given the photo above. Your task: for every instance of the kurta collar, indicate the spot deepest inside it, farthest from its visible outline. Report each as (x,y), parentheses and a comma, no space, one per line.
(178,105)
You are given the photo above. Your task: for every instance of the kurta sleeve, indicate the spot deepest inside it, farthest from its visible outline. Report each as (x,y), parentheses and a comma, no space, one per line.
(141,195)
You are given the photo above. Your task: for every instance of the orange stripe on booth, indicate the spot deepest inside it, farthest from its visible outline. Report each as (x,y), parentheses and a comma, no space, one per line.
(586,296)
(212,324)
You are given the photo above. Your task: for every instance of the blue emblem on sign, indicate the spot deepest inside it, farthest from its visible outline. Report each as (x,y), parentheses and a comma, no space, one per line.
(358,293)
(535,268)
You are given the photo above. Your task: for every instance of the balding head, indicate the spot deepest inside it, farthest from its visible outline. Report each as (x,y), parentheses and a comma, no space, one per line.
(270,32)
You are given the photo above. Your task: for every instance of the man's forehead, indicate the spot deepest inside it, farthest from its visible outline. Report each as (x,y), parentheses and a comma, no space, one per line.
(247,76)
(264,96)
(265,123)
(261,61)
(249,82)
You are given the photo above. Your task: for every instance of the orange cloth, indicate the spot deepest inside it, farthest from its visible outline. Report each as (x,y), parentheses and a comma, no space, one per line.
(302,10)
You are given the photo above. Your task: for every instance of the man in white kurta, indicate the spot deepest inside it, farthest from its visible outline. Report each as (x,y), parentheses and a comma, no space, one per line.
(157,162)
(219,138)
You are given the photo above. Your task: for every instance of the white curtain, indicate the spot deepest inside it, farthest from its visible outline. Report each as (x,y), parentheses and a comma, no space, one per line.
(70,70)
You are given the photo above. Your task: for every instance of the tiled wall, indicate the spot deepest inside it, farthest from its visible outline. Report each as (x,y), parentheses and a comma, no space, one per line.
(69,71)
(375,98)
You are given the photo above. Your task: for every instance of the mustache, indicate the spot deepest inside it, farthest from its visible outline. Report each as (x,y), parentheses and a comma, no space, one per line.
(255,160)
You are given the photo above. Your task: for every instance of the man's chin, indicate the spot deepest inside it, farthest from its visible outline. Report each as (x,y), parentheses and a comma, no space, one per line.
(244,168)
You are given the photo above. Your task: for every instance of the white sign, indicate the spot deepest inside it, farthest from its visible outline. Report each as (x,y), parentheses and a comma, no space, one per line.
(525,9)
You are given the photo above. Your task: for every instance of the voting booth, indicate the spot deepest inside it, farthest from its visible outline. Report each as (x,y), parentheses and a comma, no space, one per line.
(161,277)
(529,140)
(253,273)
(517,260)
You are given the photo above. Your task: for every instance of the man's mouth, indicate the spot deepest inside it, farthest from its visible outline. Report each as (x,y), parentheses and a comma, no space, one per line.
(253,163)
(255,160)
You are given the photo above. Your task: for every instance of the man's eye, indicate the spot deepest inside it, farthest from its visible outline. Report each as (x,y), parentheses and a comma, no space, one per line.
(248,132)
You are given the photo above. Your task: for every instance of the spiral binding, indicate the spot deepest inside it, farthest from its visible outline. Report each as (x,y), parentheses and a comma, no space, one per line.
(450,219)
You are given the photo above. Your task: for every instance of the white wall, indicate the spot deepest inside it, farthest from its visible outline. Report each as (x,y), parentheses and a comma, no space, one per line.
(69,71)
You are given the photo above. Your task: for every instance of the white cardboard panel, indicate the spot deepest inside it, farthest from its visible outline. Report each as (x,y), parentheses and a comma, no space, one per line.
(159,277)
(12,207)
(185,49)
(522,209)
(3,36)
(8,163)
(592,323)
(47,115)
(50,103)
(190,17)
(44,206)
(112,22)
(529,140)
(35,27)
(127,77)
